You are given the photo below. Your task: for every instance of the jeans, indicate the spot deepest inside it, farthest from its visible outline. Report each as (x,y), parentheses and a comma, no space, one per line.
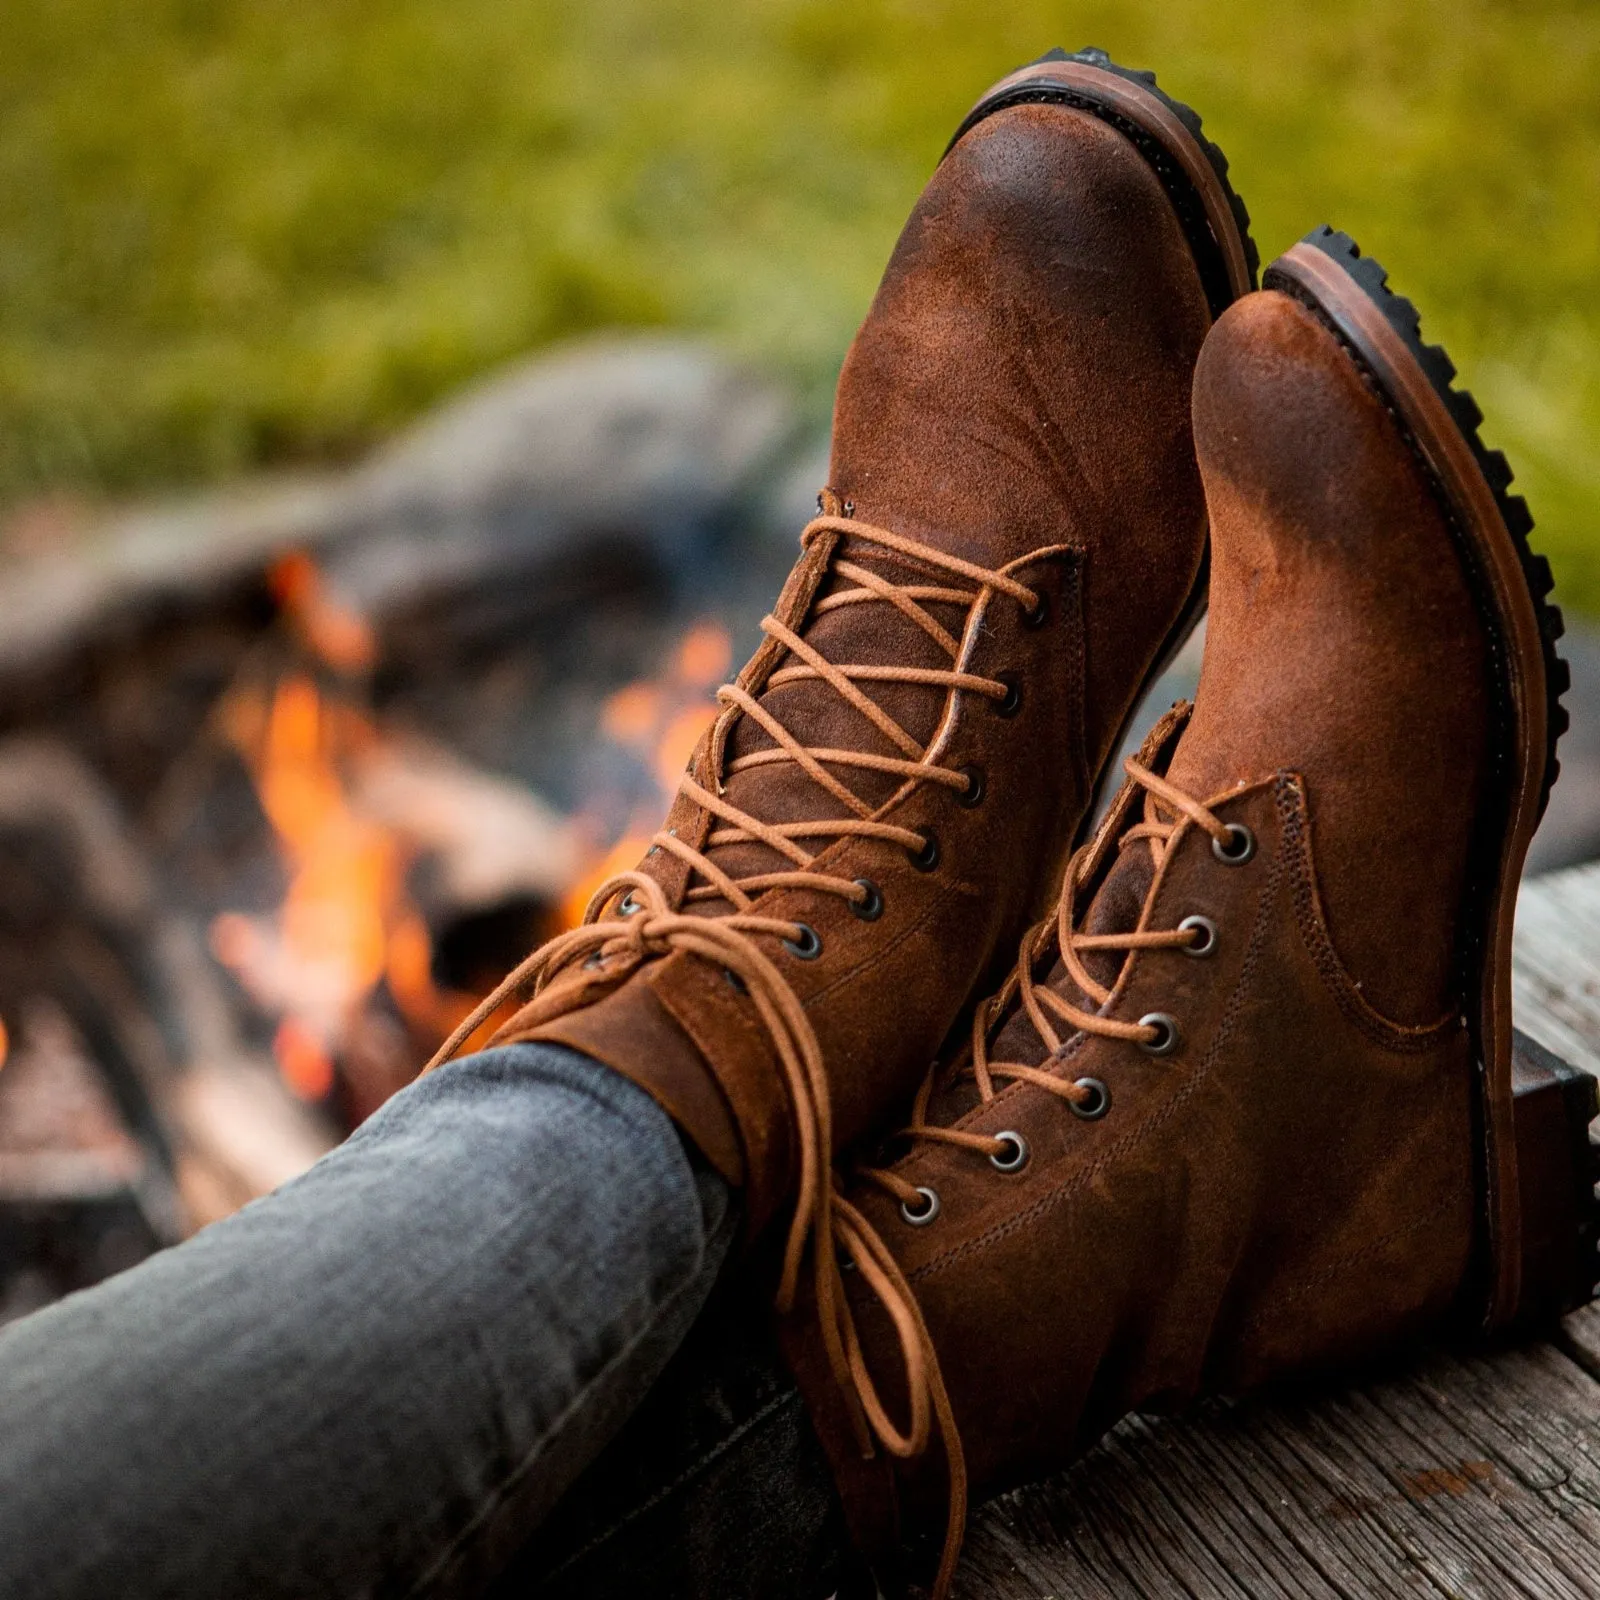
(381,1379)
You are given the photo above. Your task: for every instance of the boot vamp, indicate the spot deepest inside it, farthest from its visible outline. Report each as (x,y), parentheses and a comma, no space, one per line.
(1343,640)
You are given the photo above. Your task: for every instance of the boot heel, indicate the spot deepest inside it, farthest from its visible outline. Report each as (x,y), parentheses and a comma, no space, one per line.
(1558,1167)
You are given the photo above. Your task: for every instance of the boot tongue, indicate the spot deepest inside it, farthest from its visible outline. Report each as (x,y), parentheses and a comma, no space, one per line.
(1115,908)
(873,633)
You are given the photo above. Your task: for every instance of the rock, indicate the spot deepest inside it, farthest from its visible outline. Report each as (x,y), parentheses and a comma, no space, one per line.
(645,447)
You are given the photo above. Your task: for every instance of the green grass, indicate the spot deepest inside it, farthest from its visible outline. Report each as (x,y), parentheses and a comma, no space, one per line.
(249,232)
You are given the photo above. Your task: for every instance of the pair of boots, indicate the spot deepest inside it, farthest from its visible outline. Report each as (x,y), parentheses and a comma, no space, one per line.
(1243,1105)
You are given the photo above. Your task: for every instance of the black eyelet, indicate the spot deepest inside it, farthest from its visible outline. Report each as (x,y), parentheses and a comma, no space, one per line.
(972,795)
(1098,1103)
(808,946)
(1239,849)
(1167,1037)
(1012,703)
(927,858)
(1016,1158)
(735,982)
(1039,615)
(870,908)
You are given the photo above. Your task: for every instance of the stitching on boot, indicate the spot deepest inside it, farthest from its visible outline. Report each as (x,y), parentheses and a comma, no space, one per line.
(1400,1037)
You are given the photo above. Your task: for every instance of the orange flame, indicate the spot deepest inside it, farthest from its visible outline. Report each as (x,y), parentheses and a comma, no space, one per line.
(660,721)
(346,922)
(341,636)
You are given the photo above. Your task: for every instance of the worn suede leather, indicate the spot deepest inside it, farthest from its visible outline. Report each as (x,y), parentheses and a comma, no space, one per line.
(1017,397)
(1335,570)
(1293,1186)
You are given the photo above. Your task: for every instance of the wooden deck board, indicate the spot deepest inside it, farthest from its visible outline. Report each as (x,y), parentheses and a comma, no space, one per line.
(1475,1477)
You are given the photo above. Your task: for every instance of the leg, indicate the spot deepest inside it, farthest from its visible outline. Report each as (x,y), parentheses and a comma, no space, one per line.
(375,1381)
(715,1487)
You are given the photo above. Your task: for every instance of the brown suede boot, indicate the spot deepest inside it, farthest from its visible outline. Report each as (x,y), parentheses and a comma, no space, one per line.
(1012,546)
(1245,1107)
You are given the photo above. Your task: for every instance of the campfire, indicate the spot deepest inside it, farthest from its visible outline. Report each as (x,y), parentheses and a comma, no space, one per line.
(273,821)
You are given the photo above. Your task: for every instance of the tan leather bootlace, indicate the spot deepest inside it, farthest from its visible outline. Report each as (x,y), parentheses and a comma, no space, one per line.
(629,921)
(855,1237)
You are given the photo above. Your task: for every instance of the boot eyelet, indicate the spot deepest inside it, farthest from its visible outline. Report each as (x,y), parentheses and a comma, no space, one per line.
(870,908)
(808,946)
(594,962)
(1240,847)
(930,1208)
(1016,1158)
(1206,944)
(628,906)
(927,858)
(735,982)
(1039,614)
(973,794)
(1011,704)
(1098,1103)
(1167,1038)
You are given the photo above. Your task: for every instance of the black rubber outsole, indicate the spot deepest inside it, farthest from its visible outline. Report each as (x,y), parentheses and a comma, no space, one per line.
(1180,191)
(1440,372)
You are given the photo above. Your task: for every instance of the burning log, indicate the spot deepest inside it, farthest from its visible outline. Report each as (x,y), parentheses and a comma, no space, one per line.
(109,1012)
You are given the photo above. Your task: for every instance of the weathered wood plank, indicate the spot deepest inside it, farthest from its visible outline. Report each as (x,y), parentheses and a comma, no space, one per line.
(1470,1476)
(1555,970)
(1580,1338)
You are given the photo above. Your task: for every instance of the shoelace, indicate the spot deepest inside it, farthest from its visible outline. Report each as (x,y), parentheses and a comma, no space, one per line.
(581,964)
(856,1238)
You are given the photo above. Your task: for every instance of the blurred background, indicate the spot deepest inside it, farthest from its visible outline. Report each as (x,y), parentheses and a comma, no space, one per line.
(240,233)
(406,411)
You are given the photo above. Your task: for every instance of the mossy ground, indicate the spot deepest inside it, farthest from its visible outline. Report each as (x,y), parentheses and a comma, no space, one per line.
(245,232)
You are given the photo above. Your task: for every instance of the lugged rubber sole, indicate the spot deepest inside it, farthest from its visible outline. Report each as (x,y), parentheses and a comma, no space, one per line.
(1194,174)
(1381,331)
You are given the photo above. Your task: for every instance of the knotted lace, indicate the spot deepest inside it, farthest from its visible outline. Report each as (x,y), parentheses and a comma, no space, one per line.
(1168,811)
(629,920)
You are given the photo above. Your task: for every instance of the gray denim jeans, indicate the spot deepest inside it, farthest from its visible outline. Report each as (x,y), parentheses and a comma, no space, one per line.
(411,1372)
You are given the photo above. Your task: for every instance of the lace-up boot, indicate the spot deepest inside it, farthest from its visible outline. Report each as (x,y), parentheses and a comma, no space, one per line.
(1245,1106)
(1013,543)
